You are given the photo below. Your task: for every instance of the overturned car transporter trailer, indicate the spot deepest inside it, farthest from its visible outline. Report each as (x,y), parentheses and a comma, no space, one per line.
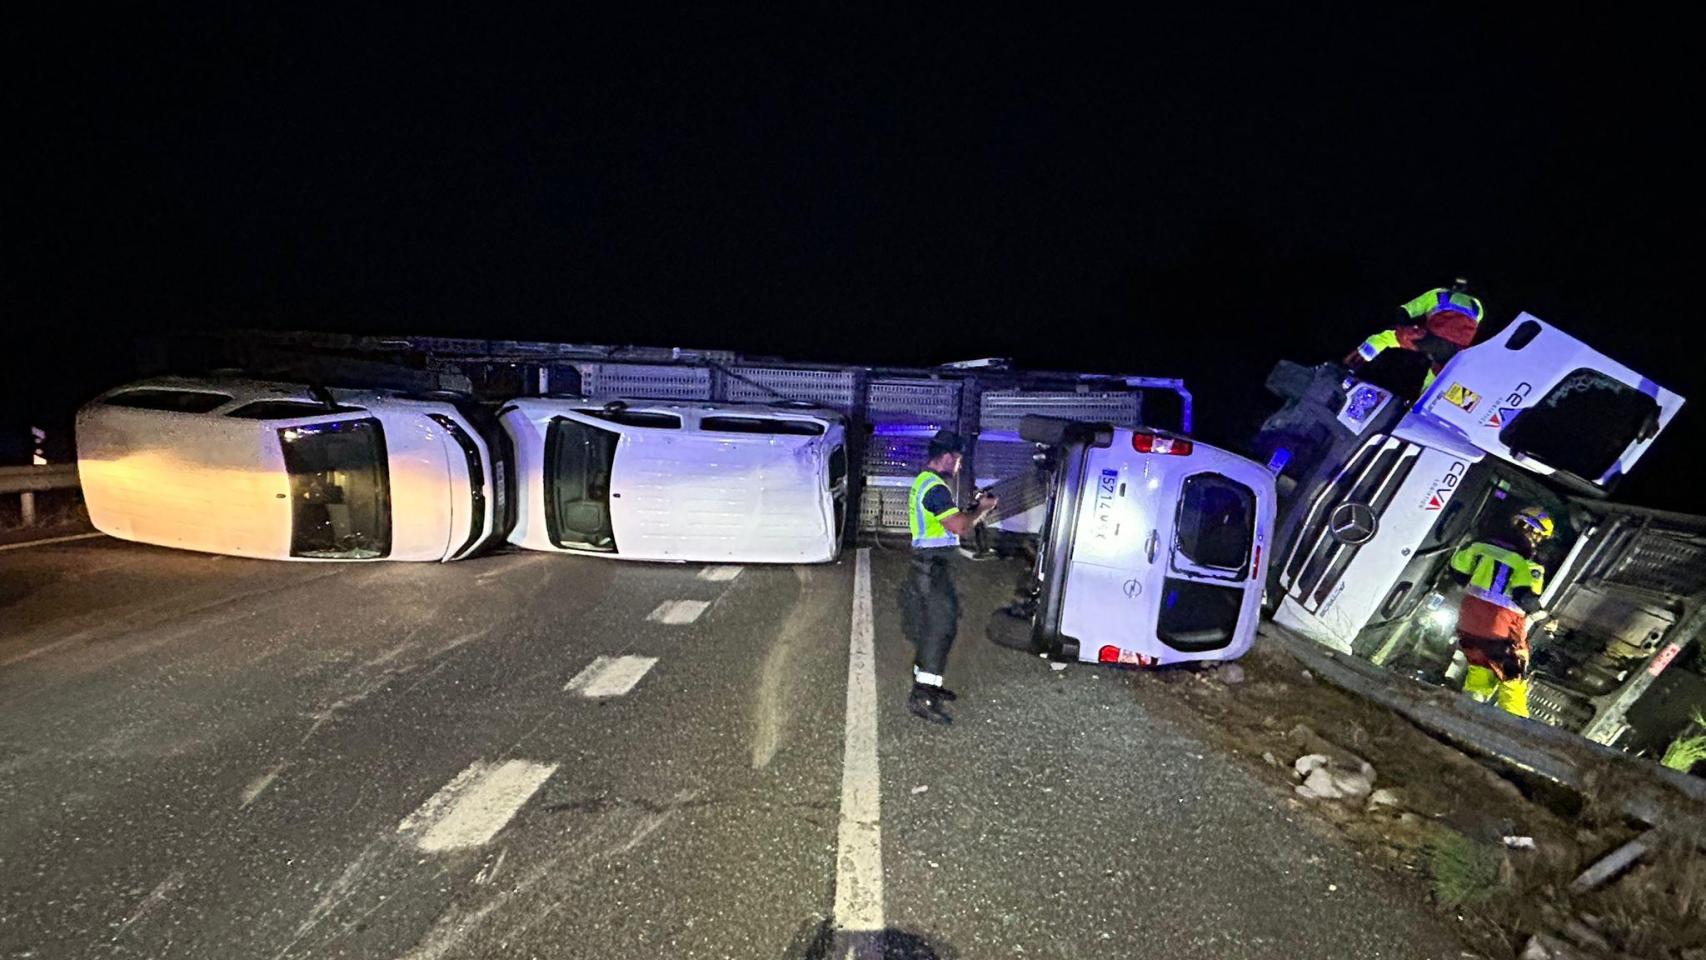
(891,411)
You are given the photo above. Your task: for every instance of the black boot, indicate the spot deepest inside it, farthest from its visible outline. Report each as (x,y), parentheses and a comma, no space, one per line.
(925,703)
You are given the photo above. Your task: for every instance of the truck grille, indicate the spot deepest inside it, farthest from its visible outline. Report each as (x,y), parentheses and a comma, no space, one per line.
(1318,559)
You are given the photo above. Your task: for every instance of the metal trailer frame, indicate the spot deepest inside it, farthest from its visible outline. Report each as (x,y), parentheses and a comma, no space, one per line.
(1647,555)
(891,410)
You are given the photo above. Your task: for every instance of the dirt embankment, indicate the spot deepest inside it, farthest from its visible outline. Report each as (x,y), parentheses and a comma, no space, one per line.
(1492,846)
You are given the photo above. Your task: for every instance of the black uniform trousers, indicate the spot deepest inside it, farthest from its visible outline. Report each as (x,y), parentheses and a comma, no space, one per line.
(930,607)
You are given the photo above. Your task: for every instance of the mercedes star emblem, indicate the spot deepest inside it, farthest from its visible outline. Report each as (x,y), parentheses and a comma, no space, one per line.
(1352,523)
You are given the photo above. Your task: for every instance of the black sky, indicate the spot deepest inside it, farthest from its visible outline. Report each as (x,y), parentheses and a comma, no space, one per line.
(1192,195)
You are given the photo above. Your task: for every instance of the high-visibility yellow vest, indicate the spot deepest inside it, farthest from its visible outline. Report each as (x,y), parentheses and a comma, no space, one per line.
(926,527)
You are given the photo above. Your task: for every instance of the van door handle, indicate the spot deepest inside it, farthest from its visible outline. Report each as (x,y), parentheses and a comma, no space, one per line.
(1149,547)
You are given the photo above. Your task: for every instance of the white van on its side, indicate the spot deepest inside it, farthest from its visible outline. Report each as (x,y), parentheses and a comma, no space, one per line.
(1153,550)
(677,480)
(285,472)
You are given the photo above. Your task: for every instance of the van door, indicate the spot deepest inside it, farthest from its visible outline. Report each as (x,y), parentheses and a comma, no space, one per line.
(1212,563)
(1547,402)
(578,461)
(1115,554)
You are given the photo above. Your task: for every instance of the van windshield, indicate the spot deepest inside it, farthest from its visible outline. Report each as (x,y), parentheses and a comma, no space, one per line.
(1583,425)
(578,461)
(1216,521)
(340,493)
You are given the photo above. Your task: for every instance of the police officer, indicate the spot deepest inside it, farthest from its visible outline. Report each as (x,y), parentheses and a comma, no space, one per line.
(930,608)
(1435,325)
(1503,600)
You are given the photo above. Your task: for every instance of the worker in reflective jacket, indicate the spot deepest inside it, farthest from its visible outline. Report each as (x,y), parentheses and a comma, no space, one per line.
(1502,603)
(1435,325)
(929,605)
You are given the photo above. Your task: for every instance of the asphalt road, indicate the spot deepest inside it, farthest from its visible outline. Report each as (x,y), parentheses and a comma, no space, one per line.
(541,756)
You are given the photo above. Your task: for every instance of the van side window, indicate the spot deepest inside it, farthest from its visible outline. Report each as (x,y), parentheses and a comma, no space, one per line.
(769,425)
(637,418)
(340,490)
(171,401)
(837,466)
(1216,521)
(579,462)
(285,410)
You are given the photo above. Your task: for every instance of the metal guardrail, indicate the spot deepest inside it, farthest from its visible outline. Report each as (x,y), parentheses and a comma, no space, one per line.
(26,482)
(1634,787)
(58,476)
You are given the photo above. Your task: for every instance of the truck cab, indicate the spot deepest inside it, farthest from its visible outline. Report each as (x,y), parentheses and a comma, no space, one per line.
(1375,493)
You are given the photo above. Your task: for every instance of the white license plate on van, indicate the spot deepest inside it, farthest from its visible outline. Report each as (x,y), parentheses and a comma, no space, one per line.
(1106,520)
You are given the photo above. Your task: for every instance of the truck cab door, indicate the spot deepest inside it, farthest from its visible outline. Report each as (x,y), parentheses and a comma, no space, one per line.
(1543,400)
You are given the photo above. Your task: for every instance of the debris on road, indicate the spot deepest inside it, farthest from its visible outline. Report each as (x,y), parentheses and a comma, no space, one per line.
(1386,798)
(1326,779)
(1610,865)
(919,789)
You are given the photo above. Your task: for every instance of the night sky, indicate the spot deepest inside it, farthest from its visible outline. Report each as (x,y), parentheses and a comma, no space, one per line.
(1180,195)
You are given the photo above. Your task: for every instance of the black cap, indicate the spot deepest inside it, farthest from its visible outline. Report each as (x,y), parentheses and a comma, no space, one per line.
(945,441)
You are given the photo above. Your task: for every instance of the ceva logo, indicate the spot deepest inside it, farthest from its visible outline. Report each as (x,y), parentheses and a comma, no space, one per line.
(1507,408)
(1446,485)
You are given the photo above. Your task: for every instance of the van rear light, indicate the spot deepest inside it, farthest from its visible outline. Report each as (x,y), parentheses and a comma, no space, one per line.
(1155,443)
(1109,654)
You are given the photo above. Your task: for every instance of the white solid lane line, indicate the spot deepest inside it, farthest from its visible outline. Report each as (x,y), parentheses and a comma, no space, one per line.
(859,862)
(720,574)
(472,808)
(678,611)
(43,543)
(610,676)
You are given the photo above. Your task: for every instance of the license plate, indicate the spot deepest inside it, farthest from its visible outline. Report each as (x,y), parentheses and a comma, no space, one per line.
(1107,486)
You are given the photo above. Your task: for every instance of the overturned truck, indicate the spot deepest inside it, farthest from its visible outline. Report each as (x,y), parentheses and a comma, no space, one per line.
(1376,493)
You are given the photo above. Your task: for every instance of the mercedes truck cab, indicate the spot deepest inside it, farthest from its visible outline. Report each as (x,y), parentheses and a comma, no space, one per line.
(1376,493)
(677,481)
(286,472)
(1154,548)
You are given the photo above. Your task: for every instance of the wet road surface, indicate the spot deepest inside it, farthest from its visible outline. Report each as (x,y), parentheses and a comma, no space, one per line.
(543,756)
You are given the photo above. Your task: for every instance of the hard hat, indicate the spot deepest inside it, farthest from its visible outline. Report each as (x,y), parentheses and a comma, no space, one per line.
(1536,521)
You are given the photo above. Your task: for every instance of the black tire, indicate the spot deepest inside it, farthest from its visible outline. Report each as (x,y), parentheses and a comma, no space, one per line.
(1012,632)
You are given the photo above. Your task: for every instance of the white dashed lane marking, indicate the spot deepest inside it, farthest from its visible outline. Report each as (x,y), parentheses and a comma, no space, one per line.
(471,809)
(610,676)
(720,574)
(678,611)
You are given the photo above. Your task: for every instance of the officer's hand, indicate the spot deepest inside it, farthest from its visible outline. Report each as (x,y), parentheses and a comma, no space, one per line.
(987,502)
